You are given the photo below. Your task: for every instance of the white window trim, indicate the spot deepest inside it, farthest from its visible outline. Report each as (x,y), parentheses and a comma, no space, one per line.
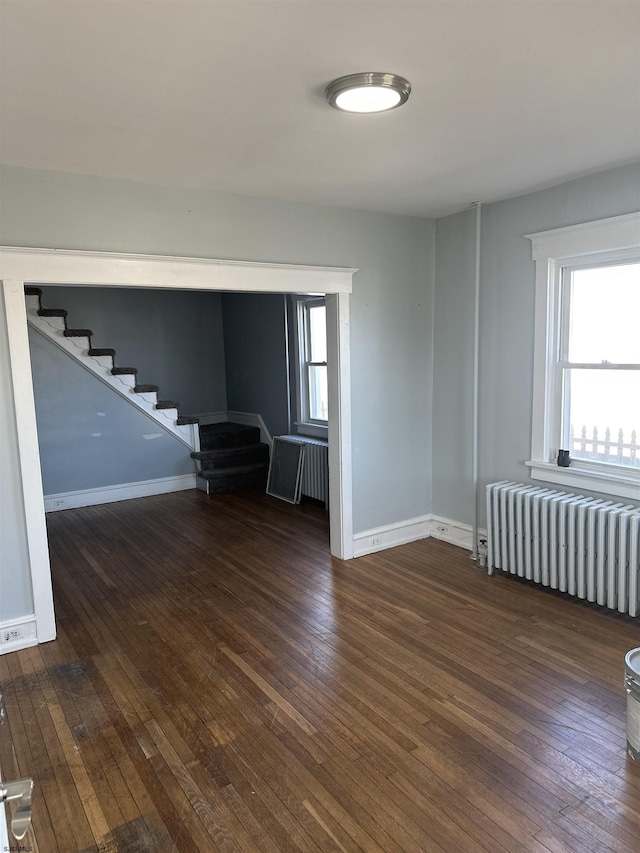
(611,239)
(305,425)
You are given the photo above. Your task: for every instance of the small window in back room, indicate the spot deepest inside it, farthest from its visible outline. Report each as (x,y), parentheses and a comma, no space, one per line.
(313,396)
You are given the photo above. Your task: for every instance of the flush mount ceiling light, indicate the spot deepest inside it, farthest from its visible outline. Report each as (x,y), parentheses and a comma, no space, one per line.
(369,92)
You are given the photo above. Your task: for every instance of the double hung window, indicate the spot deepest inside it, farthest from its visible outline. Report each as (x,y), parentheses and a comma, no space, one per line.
(587,356)
(598,365)
(313,396)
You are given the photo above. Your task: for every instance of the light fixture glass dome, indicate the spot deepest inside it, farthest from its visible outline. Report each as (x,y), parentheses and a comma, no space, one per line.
(369,92)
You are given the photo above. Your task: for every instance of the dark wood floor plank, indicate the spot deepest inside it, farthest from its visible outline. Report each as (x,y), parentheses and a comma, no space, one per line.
(219,683)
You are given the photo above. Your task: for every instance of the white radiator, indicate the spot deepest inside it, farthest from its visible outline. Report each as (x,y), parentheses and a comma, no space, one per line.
(315,467)
(586,547)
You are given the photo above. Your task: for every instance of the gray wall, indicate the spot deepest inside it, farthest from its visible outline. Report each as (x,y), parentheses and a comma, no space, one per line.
(394,354)
(16,598)
(506,349)
(391,306)
(453,365)
(173,337)
(256,356)
(89,436)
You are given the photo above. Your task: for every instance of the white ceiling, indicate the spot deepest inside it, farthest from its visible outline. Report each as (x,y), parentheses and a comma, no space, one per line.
(228,95)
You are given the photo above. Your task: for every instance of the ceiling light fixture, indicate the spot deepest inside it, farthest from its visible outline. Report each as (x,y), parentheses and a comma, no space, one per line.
(369,92)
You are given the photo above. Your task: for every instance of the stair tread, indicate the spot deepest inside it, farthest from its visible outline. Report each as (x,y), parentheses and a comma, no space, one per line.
(216,473)
(184,420)
(226,426)
(217,452)
(102,351)
(78,333)
(52,312)
(123,371)
(167,404)
(145,389)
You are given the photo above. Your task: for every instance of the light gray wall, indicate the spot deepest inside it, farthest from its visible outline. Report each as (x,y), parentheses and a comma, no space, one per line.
(453,377)
(89,436)
(256,356)
(16,597)
(173,337)
(506,348)
(391,306)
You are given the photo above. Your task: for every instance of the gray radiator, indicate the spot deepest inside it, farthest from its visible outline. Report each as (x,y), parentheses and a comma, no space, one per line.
(315,467)
(586,547)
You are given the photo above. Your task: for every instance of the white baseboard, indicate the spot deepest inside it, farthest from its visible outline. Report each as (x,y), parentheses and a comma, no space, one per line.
(16,634)
(121,492)
(422,527)
(4,832)
(454,532)
(390,535)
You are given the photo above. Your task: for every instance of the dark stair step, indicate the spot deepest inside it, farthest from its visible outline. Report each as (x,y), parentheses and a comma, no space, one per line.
(235,479)
(124,371)
(102,351)
(227,457)
(145,389)
(32,291)
(77,333)
(228,434)
(52,312)
(167,404)
(187,419)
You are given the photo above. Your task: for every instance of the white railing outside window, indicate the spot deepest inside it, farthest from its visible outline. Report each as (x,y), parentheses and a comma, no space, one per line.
(588,444)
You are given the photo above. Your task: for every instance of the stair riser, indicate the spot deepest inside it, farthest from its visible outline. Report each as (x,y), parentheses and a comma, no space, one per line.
(105,361)
(170,414)
(241,456)
(237,482)
(126,379)
(149,397)
(32,302)
(232,438)
(56,323)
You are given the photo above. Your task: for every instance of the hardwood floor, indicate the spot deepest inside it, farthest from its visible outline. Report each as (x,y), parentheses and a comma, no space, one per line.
(219,683)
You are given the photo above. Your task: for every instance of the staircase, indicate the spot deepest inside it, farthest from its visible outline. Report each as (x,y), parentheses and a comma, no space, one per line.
(231,458)
(52,323)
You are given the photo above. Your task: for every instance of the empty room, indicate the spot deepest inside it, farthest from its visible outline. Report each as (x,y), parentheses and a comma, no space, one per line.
(320,436)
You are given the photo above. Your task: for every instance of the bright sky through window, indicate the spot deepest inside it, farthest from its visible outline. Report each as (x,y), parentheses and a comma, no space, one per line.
(605,314)
(605,327)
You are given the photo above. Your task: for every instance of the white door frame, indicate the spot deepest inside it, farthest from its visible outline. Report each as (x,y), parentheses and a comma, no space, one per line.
(20,266)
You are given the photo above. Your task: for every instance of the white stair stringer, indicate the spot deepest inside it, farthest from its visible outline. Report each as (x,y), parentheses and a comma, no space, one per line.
(53,328)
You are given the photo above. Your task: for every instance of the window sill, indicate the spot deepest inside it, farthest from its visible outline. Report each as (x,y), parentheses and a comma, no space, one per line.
(314,430)
(611,483)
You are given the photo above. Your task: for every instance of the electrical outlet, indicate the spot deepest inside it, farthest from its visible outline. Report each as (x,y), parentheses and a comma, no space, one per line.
(11,635)
(58,501)
(442,529)
(375,540)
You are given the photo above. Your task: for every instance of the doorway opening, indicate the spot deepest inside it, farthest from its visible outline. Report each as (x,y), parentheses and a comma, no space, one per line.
(34,267)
